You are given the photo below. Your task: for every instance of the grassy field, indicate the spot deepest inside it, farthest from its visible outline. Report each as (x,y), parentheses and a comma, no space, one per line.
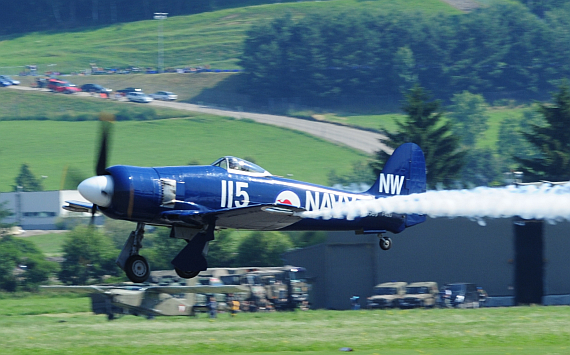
(41,325)
(50,148)
(212,38)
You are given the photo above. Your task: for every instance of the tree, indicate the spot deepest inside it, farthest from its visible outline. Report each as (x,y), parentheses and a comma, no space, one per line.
(22,265)
(551,140)
(405,68)
(360,176)
(27,181)
(469,115)
(481,168)
(511,141)
(89,255)
(223,250)
(263,249)
(426,126)
(162,249)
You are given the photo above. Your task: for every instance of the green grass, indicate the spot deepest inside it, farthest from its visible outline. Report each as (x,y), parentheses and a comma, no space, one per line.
(50,243)
(212,38)
(50,326)
(496,116)
(51,147)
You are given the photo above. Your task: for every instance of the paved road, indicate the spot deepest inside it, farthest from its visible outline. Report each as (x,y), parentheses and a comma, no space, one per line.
(366,141)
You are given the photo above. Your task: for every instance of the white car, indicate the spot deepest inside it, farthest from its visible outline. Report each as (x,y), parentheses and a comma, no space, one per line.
(9,79)
(138,97)
(164,95)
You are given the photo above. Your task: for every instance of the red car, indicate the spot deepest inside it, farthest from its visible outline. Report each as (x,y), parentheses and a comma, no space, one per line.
(63,86)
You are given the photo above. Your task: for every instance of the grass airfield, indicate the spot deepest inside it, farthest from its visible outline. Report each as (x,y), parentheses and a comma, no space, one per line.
(65,325)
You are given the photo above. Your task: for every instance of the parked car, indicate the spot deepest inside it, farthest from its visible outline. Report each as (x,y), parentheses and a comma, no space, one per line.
(420,294)
(95,88)
(459,295)
(125,91)
(164,96)
(387,295)
(9,79)
(62,86)
(139,97)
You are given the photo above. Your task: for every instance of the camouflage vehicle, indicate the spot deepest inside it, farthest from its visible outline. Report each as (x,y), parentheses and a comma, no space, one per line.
(255,297)
(165,295)
(420,294)
(387,295)
(285,287)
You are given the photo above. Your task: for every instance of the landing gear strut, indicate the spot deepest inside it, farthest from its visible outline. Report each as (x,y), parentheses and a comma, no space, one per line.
(135,266)
(385,242)
(192,259)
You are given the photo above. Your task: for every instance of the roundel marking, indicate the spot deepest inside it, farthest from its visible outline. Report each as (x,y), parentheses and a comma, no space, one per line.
(288,198)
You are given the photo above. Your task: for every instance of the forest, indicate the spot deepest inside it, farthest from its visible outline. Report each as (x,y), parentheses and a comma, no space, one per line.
(504,49)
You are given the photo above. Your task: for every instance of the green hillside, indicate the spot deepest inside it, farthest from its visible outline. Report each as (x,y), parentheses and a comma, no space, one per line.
(213,38)
(51,147)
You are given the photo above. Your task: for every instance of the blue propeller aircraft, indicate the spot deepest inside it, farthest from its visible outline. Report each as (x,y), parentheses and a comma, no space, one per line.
(194,201)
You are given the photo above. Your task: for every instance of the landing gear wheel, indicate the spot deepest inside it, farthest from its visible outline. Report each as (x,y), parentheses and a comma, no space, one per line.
(186,274)
(137,268)
(385,243)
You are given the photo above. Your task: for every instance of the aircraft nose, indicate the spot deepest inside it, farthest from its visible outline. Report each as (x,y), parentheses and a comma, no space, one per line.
(97,189)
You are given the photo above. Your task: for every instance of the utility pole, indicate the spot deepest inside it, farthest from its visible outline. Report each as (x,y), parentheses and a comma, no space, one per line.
(160,16)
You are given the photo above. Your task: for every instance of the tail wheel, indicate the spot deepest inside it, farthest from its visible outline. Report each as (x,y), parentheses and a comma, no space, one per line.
(137,269)
(385,243)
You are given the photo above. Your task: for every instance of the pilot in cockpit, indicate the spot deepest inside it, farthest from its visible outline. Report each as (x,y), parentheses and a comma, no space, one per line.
(234,164)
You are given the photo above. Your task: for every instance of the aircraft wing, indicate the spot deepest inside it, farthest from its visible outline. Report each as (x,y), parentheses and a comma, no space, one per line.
(78,206)
(155,289)
(255,217)
(197,289)
(92,288)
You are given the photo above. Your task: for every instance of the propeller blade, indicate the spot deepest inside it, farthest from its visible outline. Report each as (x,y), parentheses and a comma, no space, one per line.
(106,120)
(92,221)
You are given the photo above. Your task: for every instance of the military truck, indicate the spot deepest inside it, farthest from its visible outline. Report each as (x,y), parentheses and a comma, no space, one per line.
(420,294)
(285,288)
(387,295)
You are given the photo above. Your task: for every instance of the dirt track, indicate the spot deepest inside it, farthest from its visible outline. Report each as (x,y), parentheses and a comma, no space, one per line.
(463,5)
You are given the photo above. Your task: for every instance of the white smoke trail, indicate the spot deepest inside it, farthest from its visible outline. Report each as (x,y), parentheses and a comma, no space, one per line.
(551,203)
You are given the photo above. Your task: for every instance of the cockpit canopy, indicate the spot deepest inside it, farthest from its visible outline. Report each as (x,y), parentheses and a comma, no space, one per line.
(240,166)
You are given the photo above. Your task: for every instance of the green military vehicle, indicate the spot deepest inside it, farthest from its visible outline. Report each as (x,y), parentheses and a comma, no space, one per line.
(387,295)
(420,294)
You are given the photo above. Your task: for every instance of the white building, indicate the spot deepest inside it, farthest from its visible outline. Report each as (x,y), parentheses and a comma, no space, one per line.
(39,209)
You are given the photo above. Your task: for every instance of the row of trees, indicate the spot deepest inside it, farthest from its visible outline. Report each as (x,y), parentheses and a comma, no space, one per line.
(89,253)
(502,48)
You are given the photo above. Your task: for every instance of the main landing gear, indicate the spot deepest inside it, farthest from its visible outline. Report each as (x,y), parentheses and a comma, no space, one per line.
(135,266)
(187,264)
(385,242)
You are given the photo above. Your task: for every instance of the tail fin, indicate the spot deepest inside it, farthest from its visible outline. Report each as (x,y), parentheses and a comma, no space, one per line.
(403,174)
